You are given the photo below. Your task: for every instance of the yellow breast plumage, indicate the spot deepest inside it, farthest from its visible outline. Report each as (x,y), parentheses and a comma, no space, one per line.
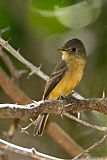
(69,81)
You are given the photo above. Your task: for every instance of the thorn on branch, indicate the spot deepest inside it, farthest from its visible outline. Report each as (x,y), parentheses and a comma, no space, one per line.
(104,94)
(24,130)
(78,115)
(34,72)
(7,42)
(18,56)
(33,150)
(18,50)
(4,30)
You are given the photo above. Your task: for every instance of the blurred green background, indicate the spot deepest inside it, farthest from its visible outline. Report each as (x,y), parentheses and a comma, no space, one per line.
(38,28)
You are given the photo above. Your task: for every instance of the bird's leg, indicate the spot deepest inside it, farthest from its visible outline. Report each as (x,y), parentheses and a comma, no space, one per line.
(62,97)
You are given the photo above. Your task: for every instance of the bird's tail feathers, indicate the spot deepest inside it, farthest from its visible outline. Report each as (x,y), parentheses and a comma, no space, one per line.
(40,124)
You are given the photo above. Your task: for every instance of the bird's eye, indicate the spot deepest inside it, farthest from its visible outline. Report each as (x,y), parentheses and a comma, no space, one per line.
(73,49)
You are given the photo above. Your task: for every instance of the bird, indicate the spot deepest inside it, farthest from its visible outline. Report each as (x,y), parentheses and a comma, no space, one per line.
(64,78)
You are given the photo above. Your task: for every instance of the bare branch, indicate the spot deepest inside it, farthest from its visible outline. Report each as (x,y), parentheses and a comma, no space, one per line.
(104,129)
(57,107)
(32,153)
(14,72)
(18,56)
(91,148)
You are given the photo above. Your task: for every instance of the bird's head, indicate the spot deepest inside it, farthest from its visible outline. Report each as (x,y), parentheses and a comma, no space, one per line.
(73,49)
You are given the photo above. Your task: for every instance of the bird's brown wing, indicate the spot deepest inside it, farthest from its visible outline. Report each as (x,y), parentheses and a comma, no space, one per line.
(55,77)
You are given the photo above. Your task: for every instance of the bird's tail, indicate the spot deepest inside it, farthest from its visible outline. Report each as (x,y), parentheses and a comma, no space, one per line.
(40,124)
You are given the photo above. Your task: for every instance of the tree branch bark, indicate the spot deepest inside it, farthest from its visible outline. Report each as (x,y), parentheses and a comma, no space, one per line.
(17,55)
(32,153)
(69,104)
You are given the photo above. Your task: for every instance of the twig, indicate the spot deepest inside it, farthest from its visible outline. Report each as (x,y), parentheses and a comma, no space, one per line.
(24,129)
(18,56)
(32,153)
(9,63)
(91,148)
(14,72)
(100,128)
(4,30)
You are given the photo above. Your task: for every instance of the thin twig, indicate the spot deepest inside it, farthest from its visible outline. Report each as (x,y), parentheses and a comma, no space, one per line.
(4,30)
(91,148)
(100,128)
(15,73)
(8,62)
(17,55)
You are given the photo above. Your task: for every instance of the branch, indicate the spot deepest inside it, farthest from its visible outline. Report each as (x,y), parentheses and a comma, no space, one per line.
(104,129)
(57,107)
(91,148)
(16,74)
(32,153)
(17,55)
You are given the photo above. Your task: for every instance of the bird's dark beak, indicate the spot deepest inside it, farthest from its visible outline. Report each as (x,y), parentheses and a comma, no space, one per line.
(62,50)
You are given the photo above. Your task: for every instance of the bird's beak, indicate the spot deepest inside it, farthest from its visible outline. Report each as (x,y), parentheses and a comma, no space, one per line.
(62,50)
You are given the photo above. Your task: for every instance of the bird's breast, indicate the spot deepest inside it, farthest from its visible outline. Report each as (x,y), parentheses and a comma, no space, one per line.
(70,80)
